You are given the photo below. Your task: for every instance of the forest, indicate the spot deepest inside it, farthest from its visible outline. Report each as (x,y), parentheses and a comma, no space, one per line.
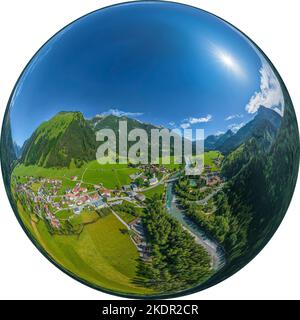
(260,176)
(177,262)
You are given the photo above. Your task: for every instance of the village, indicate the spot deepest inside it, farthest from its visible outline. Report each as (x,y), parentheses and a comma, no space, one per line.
(53,202)
(211,178)
(57,200)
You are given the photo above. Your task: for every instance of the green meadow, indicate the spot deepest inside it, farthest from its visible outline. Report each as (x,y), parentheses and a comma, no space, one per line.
(156,190)
(209,158)
(109,175)
(102,254)
(128,211)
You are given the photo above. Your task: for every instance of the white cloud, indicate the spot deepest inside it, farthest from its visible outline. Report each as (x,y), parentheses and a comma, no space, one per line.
(234,116)
(172,123)
(270,94)
(120,113)
(199,120)
(236,126)
(218,133)
(193,120)
(185,125)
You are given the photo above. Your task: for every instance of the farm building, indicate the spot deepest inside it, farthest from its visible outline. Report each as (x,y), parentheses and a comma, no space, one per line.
(126,187)
(153,181)
(134,187)
(99,204)
(140,197)
(115,203)
(106,193)
(77,210)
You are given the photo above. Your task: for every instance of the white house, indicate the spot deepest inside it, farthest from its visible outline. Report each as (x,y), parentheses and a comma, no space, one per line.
(153,181)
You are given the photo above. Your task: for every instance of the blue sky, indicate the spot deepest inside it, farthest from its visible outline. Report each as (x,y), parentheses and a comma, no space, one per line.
(162,63)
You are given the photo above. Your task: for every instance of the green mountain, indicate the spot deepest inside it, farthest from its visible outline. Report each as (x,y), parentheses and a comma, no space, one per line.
(57,142)
(270,115)
(260,185)
(264,127)
(8,157)
(112,122)
(68,137)
(18,150)
(214,142)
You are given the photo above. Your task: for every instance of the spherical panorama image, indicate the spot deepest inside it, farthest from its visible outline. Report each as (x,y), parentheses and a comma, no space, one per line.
(150,149)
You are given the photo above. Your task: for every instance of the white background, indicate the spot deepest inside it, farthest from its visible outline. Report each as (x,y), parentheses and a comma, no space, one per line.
(25,25)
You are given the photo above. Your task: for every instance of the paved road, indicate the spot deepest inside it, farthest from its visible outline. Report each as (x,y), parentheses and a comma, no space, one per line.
(154,185)
(163,180)
(120,219)
(205,200)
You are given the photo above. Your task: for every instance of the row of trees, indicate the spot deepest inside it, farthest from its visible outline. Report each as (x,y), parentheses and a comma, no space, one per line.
(183,190)
(177,262)
(261,176)
(128,208)
(227,227)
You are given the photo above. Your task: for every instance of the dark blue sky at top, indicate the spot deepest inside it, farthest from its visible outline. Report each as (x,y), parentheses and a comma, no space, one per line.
(163,60)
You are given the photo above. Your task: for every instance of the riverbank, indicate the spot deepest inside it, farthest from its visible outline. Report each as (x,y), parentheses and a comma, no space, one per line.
(213,248)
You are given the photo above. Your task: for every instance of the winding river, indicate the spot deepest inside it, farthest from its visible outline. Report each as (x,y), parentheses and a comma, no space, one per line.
(214,249)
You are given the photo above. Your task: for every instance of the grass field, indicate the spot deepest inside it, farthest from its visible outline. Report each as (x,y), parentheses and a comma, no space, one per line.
(101,254)
(85,216)
(64,214)
(209,157)
(35,186)
(156,190)
(99,251)
(172,165)
(110,175)
(125,214)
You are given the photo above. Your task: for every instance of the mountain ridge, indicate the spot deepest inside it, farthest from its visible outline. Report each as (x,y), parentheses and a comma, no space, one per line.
(265,124)
(64,138)
(68,137)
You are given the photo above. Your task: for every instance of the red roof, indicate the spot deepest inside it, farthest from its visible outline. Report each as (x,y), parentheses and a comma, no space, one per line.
(70,195)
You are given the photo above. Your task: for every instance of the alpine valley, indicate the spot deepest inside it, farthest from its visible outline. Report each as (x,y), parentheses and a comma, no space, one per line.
(150,229)
(98,140)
